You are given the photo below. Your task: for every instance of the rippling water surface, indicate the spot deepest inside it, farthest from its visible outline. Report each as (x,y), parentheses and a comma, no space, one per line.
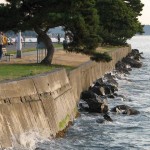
(126,132)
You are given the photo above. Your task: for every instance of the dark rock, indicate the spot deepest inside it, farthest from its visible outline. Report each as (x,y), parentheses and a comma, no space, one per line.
(99,82)
(111,78)
(110,88)
(135,51)
(83,106)
(99,90)
(133,63)
(107,117)
(100,120)
(131,111)
(111,96)
(121,96)
(94,103)
(87,94)
(122,67)
(115,94)
(39,148)
(119,108)
(124,109)
(95,106)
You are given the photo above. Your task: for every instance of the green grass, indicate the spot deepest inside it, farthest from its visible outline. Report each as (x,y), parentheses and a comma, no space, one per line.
(26,50)
(56,45)
(14,71)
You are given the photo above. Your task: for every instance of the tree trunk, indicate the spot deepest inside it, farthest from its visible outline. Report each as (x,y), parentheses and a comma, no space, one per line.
(48,44)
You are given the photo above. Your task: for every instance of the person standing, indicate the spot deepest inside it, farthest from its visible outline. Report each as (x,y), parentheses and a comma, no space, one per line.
(5,40)
(1,45)
(58,38)
(18,47)
(18,42)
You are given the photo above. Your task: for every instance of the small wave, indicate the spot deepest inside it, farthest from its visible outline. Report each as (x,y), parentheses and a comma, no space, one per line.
(146,109)
(27,141)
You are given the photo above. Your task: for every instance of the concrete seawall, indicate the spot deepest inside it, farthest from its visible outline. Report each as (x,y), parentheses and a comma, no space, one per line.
(46,103)
(82,77)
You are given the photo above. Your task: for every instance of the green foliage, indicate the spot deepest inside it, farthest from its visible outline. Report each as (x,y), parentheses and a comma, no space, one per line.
(84,26)
(86,22)
(118,20)
(135,5)
(101,57)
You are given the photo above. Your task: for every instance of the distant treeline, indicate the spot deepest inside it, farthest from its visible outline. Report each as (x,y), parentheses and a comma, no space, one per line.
(52,32)
(58,30)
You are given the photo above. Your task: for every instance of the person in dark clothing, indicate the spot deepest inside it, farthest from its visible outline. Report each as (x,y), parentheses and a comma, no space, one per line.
(1,45)
(58,38)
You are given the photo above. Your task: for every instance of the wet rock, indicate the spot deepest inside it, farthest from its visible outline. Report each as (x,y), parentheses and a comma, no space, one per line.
(120,108)
(99,90)
(105,118)
(133,59)
(111,96)
(39,148)
(87,94)
(99,82)
(111,79)
(133,63)
(94,103)
(122,67)
(95,106)
(106,87)
(131,111)
(124,109)
(100,120)
(120,96)
(83,106)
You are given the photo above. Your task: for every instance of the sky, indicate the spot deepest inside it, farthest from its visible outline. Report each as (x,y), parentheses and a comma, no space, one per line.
(144,19)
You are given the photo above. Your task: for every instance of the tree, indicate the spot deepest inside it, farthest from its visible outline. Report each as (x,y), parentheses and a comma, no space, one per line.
(79,18)
(118,20)
(135,5)
(86,22)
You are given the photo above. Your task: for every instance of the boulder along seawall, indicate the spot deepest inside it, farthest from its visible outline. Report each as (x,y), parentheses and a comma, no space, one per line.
(47,103)
(94,100)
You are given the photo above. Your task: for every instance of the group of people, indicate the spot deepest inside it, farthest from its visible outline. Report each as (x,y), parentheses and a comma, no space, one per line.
(3,43)
(8,41)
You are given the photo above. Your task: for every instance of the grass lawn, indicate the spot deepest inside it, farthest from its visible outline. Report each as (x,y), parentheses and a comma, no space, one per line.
(56,45)
(13,71)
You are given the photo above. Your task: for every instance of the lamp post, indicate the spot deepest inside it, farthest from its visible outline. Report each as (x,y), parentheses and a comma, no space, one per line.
(19,45)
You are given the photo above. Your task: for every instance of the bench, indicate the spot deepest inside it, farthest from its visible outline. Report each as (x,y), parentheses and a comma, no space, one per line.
(8,56)
(4,50)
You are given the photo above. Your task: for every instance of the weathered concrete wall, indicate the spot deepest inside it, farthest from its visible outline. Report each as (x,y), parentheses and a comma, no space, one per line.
(82,77)
(46,103)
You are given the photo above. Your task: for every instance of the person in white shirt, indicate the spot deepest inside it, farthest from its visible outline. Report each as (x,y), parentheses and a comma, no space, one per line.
(18,47)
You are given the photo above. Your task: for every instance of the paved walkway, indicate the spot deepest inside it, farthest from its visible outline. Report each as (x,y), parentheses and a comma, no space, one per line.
(60,57)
